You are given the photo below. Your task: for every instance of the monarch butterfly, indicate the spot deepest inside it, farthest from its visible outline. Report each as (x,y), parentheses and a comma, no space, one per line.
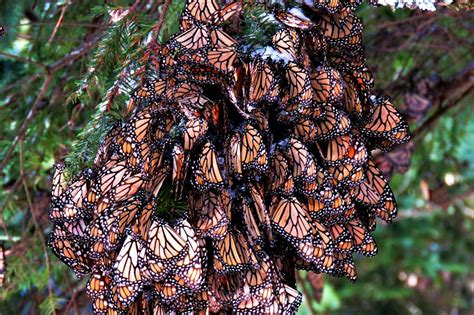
(299,86)
(262,81)
(328,202)
(362,240)
(334,122)
(137,129)
(222,58)
(207,11)
(70,251)
(100,305)
(128,277)
(139,307)
(220,39)
(235,154)
(207,173)
(251,225)
(156,183)
(77,229)
(189,269)
(201,10)
(366,194)
(164,243)
(195,130)
(212,218)
(305,130)
(302,161)
(338,148)
(322,255)
(342,238)
(196,38)
(293,21)
(232,253)
(348,57)
(290,299)
(189,95)
(347,174)
(163,128)
(168,291)
(2,264)
(59,182)
(224,290)
(353,103)
(71,206)
(226,12)
(106,148)
(345,266)
(345,149)
(115,220)
(144,93)
(111,175)
(286,41)
(191,302)
(386,209)
(337,28)
(98,284)
(179,164)
(363,78)
(261,210)
(261,277)
(327,85)
(385,119)
(280,179)
(330,5)
(290,219)
(97,237)
(253,151)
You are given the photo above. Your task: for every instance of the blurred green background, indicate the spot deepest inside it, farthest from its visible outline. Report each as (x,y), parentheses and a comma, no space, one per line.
(63,68)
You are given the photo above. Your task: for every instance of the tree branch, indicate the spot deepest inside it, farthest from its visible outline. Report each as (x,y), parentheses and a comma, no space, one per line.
(25,60)
(161,21)
(306,293)
(58,23)
(50,70)
(453,91)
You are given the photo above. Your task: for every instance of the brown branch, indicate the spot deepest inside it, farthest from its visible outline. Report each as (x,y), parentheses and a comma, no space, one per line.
(75,54)
(453,91)
(306,293)
(25,60)
(157,28)
(58,23)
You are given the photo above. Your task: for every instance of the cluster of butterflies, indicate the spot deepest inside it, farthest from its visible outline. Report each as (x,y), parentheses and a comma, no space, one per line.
(237,166)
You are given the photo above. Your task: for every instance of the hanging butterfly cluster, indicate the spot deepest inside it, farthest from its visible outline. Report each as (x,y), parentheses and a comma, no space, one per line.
(238,166)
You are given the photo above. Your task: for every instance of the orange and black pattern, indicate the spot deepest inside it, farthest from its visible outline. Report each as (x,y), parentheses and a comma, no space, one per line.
(270,154)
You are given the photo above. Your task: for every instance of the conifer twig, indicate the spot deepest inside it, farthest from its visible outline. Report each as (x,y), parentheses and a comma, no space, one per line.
(161,21)
(58,23)
(25,60)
